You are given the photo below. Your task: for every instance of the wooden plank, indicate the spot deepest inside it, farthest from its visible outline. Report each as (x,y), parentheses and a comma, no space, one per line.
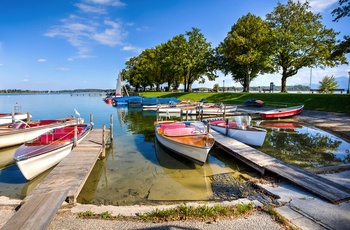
(36,213)
(314,183)
(260,161)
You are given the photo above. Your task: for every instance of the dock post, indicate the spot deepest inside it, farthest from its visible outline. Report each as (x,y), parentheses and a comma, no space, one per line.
(91,121)
(208,127)
(28,117)
(226,127)
(201,117)
(13,117)
(103,154)
(75,136)
(111,126)
(186,115)
(224,111)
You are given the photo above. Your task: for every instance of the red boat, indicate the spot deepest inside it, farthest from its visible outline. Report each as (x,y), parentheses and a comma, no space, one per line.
(282,113)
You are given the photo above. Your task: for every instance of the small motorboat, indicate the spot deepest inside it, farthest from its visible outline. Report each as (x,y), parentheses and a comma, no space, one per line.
(188,139)
(20,132)
(42,153)
(240,129)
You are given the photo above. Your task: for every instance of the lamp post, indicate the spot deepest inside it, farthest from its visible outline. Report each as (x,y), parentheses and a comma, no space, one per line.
(348,83)
(223,85)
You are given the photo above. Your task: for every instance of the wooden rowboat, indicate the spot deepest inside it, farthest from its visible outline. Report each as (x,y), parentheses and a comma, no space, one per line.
(20,132)
(282,113)
(240,130)
(188,139)
(38,155)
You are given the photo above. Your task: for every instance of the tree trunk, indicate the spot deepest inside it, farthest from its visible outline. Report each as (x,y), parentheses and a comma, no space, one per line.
(284,82)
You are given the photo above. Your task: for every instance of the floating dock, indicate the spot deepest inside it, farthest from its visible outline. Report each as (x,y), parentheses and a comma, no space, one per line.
(62,184)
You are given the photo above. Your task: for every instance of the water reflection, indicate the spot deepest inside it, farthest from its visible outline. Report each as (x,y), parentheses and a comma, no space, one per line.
(137,171)
(306,147)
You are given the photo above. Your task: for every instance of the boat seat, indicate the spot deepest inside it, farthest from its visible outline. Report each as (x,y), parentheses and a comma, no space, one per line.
(47,122)
(172,125)
(179,131)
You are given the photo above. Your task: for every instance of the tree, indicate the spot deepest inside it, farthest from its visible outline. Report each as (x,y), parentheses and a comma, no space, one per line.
(342,11)
(301,40)
(328,84)
(245,51)
(196,56)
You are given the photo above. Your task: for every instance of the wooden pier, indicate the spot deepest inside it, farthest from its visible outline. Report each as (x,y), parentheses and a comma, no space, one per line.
(62,184)
(262,162)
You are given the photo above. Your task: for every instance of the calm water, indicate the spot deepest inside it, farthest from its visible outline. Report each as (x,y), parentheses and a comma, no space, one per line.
(138,171)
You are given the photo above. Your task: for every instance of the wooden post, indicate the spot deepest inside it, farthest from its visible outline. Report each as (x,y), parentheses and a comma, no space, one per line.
(13,117)
(111,126)
(75,136)
(186,115)
(226,127)
(91,121)
(208,126)
(224,111)
(28,117)
(201,117)
(103,154)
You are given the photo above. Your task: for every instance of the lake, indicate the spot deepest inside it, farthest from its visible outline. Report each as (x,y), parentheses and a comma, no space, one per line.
(137,170)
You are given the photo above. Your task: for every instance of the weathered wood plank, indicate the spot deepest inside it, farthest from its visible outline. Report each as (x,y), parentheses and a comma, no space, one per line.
(34,214)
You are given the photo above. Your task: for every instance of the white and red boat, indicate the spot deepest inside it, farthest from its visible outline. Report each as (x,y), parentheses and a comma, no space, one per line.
(240,130)
(20,132)
(282,113)
(38,155)
(188,139)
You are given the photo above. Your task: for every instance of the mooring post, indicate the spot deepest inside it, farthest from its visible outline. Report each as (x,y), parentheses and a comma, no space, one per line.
(75,136)
(28,117)
(224,111)
(186,115)
(111,127)
(91,121)
(208,126)
(201,115)
(13,117)
(226,127)
(103,154)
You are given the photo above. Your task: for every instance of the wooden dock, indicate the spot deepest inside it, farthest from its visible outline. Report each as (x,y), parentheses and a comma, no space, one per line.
(63,183)
(262,162)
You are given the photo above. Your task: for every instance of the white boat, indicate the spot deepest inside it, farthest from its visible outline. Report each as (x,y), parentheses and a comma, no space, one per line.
(7,118)
(214,109)
(20,132)
(240,130)
(36,156)
(188,139)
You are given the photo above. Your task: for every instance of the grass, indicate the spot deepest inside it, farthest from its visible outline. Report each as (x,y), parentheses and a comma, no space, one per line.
(181,212)
(321,102)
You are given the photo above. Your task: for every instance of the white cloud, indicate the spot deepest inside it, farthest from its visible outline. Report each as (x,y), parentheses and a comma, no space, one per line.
(70,59)
(113,35)
(132,49)
(107,2)
(319,6)
(62,69)
(41,60)
(91,9)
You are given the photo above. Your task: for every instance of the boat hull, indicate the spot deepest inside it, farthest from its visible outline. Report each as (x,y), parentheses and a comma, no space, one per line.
(8,119)
(282,113)
(251,136)
(44,156)
(11,137)
(180,145)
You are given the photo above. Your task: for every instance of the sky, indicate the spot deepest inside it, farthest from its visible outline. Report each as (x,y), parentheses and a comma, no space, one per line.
(83,44)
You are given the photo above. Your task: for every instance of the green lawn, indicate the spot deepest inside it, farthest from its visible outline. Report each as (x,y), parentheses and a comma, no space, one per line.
(322,102)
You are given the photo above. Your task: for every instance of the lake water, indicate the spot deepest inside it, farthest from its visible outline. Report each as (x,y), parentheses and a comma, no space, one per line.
(137,170)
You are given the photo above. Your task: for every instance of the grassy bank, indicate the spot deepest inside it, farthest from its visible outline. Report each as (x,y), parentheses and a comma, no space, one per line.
(322,102)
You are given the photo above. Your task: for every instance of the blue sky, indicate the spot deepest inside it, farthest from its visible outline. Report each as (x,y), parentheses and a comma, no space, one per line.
(58,44)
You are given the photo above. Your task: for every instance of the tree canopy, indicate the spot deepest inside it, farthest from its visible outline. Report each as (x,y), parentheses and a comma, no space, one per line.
(301,40)
(246,50)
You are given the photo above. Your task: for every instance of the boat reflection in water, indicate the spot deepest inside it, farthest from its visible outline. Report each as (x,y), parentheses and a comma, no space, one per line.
(304,146)
(6,156)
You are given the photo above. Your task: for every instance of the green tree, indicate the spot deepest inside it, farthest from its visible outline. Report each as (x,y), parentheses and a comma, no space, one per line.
(340,12)
(195,57)
(245,51)
(301,40)
(328,84)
